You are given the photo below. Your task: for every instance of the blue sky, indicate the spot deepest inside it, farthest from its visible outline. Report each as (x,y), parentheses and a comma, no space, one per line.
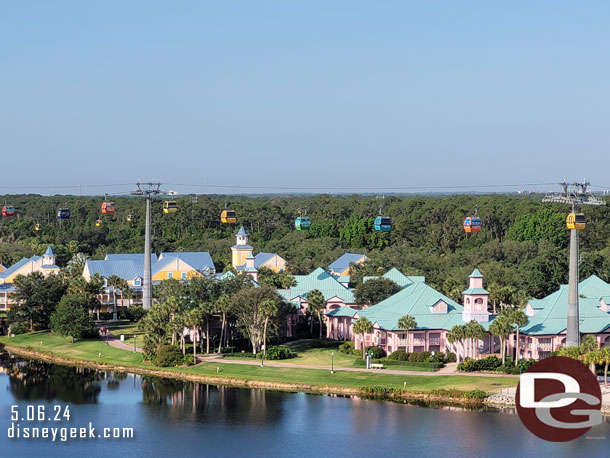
(312,94)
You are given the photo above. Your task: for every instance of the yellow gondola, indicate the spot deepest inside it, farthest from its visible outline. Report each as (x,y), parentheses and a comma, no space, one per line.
(576,221)
(228,217)
(170,206)
(98,223)
(36,227)
(129,218)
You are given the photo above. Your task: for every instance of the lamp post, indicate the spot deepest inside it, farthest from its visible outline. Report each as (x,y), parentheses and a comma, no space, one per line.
(332,362)
(134,343)
(262,359)
(432,360)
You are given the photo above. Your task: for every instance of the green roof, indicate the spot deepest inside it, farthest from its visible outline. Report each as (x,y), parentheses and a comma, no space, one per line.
(476,274)
(342,311)
(321,280)
(397,277)
(475,291)
(417,300)
(551,317)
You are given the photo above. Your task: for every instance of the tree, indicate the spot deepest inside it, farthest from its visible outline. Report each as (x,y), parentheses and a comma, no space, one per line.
(267,308)
(501,328)
(88,291)
(36,298)
(277,280)
(70,318)
(457,335)
(474,331)
(363,326)
(604,358)
(246,306)
(373,291)
(407,322)
(518,318)
(316,304)
(156,326)
(452,288)
(116,282)
(222,305)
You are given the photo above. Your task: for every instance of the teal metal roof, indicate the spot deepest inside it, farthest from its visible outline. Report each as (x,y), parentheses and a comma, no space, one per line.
(343,278)
(551,317)
(397,277)
(321,280)
(342,311)
(476,274)
(416,300)
(475,291)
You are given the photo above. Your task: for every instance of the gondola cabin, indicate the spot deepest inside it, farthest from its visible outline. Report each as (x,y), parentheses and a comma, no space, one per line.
(228,217)
(36,227)
(170,206)
(302,223)
(129,218)
(98,223)
(8,210)
(108,208)
(576,221)
(472,224)
(383,223)
(63,213)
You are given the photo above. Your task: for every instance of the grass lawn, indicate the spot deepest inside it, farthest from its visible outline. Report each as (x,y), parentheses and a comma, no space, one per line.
(90,350)
(129,329)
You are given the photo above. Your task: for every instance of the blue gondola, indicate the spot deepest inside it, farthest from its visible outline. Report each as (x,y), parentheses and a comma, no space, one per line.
(302,223)
(383,223)
(63,213)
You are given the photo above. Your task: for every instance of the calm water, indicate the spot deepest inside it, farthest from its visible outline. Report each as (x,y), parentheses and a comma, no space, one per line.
(178,419)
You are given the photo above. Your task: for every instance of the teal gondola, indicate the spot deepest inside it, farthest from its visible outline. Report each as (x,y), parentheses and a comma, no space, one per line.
(383,224)
(302,223)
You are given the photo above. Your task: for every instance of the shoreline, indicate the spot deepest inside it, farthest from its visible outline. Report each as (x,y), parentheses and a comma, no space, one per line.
(388,394)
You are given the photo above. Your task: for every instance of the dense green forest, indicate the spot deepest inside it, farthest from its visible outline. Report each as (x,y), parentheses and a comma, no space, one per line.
(522,247)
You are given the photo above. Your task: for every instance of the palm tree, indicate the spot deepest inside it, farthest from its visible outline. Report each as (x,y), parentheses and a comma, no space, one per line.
(604,358)
(223,306)
(267,309)
(494,295)
(474,331)
(363,326)
(117,283)
(456,335)
(591,358)
(517,318)
(501,328)
(316,304)
(407,322)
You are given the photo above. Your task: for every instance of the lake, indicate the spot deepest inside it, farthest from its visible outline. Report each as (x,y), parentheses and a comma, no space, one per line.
(173,418)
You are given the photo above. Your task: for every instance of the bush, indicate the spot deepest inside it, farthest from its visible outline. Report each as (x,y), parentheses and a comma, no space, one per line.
(421,357)
(376,352)
(20,328)
(450,358)
(398,355)
(277,353)
(168,355)
(438,357)
(357,353)
(491,363)
(135,313)
(347,347)
(188,359)
(509,366)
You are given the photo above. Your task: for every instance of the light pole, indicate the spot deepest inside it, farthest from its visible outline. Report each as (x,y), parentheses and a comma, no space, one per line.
(432,360)
(332,362)
(134,343)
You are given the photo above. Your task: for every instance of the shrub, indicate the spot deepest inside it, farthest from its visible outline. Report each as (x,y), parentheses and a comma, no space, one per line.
(168,355)
(135,313)
(357,353)
(399,355)
(376,352)
(277,353)
(450,358)
(347,347)
(510,368)
(420,357)
(20,328)
(491,363)
(188,359)
(438,357)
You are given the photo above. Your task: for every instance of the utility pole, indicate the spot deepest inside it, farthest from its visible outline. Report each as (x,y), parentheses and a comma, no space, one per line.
(574,194)
(148,190)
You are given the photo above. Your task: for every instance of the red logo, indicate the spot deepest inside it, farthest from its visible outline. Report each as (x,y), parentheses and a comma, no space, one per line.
(559,399)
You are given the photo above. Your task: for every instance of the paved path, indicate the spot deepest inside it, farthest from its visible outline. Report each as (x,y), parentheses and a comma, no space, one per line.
(116,343)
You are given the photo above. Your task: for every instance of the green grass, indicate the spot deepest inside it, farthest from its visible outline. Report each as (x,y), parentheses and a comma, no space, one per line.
(91,349)
(129,329)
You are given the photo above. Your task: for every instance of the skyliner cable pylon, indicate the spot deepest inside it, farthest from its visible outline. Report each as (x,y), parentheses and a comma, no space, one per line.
(574,194)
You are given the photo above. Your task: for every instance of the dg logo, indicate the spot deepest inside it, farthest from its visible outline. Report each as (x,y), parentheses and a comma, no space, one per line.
(559,399)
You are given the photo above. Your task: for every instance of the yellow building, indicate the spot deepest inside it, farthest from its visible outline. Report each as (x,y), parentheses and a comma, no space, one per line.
(44,264)
(241,252)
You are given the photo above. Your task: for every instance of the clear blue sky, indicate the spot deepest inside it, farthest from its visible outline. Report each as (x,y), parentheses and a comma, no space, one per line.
(310,93)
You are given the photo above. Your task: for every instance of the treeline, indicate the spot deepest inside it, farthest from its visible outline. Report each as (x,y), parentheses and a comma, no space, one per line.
(522,247)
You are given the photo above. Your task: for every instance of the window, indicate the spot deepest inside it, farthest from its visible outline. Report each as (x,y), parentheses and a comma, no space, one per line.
(170,275)
(184,275)
(137,282)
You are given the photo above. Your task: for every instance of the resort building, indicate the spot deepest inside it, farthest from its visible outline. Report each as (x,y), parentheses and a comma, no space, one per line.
(341,266)
(242,250)
(44,264)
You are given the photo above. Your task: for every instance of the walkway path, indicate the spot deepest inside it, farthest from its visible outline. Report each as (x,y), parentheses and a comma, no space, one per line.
(115,342)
